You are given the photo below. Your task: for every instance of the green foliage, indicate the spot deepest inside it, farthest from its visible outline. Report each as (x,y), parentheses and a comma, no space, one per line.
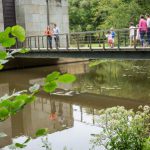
(103,14)
(123,129)
(52,80)
(146,145)
(18,32)
(8,39)
(41,132)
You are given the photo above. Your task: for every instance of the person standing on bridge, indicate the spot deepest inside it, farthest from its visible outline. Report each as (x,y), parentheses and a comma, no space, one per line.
(49,34)
(132,34)
(148,28)
(142,29)
(56,35)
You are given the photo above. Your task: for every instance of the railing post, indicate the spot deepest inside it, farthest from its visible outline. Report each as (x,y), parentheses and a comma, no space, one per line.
(78,47)
(67,41)
(103,40)
(118,40)
(47,42)
(42,42)
(125,39)
(30,43)
(35,42)
(90,41)
(99,36)
(38,43)
(134,39)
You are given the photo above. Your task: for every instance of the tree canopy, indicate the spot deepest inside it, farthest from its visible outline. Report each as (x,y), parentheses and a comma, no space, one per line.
(103,14)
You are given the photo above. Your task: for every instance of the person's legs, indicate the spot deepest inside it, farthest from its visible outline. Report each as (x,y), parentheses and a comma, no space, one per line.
(50,41)
(142,33)
(57,41)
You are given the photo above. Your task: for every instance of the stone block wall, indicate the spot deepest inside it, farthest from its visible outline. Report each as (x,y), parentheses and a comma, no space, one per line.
(1,17)
(32,14)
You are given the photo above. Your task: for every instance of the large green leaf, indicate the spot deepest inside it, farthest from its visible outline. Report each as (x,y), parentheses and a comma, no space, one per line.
(67,78)
(50,87)
(24,50)
(18,32)
(53,76)
(3,54)
(41,132)
(17,105)
(20,145)
(8,42)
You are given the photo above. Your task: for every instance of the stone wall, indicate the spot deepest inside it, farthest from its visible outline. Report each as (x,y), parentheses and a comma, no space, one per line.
(1,17)
(32,14)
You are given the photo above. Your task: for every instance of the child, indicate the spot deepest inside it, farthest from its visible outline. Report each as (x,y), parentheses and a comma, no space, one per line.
(110,39)
(131,33)
(113,36)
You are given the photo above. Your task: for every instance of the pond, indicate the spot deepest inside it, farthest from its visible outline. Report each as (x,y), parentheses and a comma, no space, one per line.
(72,111)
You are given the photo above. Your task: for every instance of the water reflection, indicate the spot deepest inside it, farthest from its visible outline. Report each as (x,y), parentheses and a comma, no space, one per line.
(70,113)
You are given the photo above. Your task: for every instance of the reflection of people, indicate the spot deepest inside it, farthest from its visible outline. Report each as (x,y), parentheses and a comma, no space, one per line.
(60,113)
(49,34)
(56,35)
(53,115)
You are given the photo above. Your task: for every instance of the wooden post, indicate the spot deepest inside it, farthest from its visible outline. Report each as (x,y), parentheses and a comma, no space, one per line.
(99,41)
(38,43)
(134,42)
(118,40)
(67,41)
(42,42)
(103,40)
(30,43)
(78,47)
(90,42)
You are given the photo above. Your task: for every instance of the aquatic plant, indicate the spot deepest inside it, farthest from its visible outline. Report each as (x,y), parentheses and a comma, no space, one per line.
(124,129)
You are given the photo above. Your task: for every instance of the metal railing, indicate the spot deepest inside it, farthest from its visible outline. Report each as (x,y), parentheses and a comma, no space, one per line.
(90,40)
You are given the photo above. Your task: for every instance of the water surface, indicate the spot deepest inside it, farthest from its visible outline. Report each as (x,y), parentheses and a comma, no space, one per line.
(71,112)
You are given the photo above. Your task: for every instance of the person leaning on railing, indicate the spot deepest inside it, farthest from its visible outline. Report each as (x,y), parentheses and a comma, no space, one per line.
(49,33)
(56,35)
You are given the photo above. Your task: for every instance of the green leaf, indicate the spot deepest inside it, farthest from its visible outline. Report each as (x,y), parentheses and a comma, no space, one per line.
(41,132)
(9,42)
(18,32)
(20,145)
(3,54)
(24,50)
(53,76)
(6,104)
(17,105)
(4,113)
(67,78)
(27,140)
(50,87)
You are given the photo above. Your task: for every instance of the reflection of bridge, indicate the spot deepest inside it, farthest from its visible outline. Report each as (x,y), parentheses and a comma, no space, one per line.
(85,45)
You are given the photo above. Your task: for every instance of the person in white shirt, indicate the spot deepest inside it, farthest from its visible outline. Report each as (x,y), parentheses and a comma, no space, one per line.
(148,29)
(110,39)
(131,33)
(56,35)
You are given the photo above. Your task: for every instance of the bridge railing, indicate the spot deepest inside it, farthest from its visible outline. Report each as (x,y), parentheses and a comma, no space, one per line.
(90,40)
